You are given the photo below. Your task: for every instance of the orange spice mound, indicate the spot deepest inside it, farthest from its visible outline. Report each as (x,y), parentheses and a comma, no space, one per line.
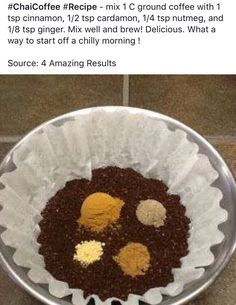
(134,259)
(100,210)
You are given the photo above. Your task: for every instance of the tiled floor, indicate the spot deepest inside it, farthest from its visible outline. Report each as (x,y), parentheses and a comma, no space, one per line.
(27,101)
(206,103)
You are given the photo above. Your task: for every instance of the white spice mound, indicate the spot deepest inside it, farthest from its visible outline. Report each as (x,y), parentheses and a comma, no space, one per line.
(88,252)
(151,213)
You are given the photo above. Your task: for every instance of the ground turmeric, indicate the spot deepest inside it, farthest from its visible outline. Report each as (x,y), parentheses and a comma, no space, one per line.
(100,210)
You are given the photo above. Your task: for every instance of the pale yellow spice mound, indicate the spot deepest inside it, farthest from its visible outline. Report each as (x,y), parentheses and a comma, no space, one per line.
(133,259)
(151,213)
(100,210)
(88,252)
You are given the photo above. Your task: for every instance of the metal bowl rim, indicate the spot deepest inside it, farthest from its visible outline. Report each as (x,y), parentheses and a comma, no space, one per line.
(185,296)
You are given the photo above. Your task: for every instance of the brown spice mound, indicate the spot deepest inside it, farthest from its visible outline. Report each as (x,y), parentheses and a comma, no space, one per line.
(60,234)
(134,259)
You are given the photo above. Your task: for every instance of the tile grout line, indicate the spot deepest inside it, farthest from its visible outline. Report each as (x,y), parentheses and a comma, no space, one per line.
(213,139)
(125,100)
(227,139)
(10,139)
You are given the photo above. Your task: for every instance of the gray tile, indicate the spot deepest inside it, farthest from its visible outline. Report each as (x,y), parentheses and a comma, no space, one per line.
(26,101)
(206,103)
(11,294)
(228,152)
(4,149)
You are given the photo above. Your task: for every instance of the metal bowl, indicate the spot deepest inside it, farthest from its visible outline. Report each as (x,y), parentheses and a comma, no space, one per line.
(222,252)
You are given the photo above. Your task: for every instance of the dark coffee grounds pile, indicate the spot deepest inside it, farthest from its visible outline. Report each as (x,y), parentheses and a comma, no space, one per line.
(60,234)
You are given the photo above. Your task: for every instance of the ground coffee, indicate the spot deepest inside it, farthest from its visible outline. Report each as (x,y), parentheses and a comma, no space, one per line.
(60,234)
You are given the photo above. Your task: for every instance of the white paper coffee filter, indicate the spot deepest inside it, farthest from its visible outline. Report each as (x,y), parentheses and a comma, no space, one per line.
(56,154)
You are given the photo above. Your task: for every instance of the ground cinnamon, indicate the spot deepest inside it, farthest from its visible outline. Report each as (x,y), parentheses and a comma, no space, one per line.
(134,259)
